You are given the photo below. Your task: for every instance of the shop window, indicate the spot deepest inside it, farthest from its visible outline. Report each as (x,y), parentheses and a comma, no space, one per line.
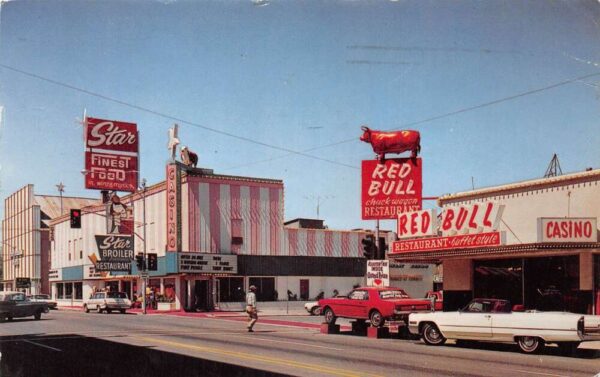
(60,290)
(265,288)
(112,286)
(169,293)
(502,278)
(231,289)
(552,284)
(78,291)
(68,290)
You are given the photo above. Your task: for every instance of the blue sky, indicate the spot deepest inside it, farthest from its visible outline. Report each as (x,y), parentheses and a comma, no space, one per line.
(303,76)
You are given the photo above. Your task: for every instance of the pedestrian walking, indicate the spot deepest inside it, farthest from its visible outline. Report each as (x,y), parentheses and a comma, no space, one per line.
(251,308)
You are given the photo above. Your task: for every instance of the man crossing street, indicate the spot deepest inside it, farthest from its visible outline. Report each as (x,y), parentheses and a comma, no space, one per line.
(251,308)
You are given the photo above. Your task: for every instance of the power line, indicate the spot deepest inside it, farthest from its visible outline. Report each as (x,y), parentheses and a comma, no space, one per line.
(440,116)
(171,117)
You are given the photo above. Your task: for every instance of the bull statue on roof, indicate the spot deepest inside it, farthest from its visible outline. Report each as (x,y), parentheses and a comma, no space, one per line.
(188,157)
(392,142)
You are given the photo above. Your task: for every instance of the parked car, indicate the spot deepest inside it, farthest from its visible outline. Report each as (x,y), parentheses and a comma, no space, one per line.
(313,308)
(437,297)
(44,298)
(494,320)
(376,304)
(107,302)
(16,305)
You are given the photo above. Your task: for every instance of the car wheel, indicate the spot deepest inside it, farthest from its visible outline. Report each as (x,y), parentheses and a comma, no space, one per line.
(316,310)
(122,311)
(98,309)
(432,335)
(376,318)
(86,309)
(568,348)
(108,311)
(530,344)
(37,315)
(329,316)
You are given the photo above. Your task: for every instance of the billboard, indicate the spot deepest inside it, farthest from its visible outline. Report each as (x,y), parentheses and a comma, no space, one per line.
(466,241)
(111,155)
(417,224)
(391,187)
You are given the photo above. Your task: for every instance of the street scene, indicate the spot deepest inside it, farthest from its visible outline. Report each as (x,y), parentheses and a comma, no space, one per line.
(284,188)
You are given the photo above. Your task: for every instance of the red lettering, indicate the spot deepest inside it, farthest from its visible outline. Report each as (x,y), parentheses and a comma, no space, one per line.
(413,223)
(426,221)
(402,224)
(488,211)
(578,231)
(460,219)
(587,229)
(472,223)
(449,216)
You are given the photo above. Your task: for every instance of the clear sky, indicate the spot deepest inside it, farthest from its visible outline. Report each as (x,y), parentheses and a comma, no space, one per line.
(494,87)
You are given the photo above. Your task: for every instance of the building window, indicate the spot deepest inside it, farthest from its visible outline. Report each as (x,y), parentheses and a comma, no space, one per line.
(265,288)
(231,289)
(78,291)
(80,254)
(68,290)
(59,290)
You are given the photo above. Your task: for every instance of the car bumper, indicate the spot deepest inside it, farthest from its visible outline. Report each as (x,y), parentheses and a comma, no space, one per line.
(117,306)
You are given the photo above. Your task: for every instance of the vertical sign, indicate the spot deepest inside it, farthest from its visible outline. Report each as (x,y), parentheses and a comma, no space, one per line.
(172,208)
(111,155)
(391,187)
(378,273)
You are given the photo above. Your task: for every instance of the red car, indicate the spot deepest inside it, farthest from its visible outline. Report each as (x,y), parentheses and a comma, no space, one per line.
(376,304)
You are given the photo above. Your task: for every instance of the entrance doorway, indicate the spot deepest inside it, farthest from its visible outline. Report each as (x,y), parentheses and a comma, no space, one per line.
(304,289)
(202,299)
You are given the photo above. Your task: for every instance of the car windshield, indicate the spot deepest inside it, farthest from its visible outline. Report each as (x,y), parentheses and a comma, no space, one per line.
(117,295)
(41,297)
(393,294)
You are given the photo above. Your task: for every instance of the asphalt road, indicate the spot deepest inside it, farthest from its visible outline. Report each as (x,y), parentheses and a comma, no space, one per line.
(69,343)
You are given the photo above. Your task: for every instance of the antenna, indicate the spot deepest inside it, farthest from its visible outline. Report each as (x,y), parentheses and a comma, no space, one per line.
(554,169)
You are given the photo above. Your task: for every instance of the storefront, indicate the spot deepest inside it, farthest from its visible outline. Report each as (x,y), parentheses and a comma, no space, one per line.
(545,253)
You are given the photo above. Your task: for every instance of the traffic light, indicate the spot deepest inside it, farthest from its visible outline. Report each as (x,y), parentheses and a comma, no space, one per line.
(382,247)
(76,218)
(139,262)
(369,247)
(152,261)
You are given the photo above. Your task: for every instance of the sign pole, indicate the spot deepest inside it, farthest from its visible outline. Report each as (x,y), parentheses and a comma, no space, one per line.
(377,240)
(144,273)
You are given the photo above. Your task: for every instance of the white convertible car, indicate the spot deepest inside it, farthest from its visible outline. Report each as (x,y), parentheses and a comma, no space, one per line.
(494,320)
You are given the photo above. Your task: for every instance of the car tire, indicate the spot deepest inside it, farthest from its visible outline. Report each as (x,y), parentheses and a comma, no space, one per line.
(530,344)
(108,311)
(568,348)
(122,311)
(98,309)
(432,336)
(38,315)
(86,309)
(329,316)
(315,311)
(376,318)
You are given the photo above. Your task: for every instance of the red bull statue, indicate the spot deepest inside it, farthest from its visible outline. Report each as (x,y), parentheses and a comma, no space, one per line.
(392,142)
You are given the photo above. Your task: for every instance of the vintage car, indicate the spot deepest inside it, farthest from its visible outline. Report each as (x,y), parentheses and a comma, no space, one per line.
(16,305)
(44,298)
(107,302)
(494,320)
(313,308)
(377,304)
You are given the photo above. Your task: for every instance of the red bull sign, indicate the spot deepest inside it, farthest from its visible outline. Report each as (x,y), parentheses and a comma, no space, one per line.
(111,155)
(391,187)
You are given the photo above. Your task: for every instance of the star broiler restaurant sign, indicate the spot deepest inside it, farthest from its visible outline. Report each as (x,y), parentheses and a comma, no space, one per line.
(116,253)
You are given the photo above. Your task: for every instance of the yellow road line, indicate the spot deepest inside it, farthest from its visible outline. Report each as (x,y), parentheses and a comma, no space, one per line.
(260,358)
